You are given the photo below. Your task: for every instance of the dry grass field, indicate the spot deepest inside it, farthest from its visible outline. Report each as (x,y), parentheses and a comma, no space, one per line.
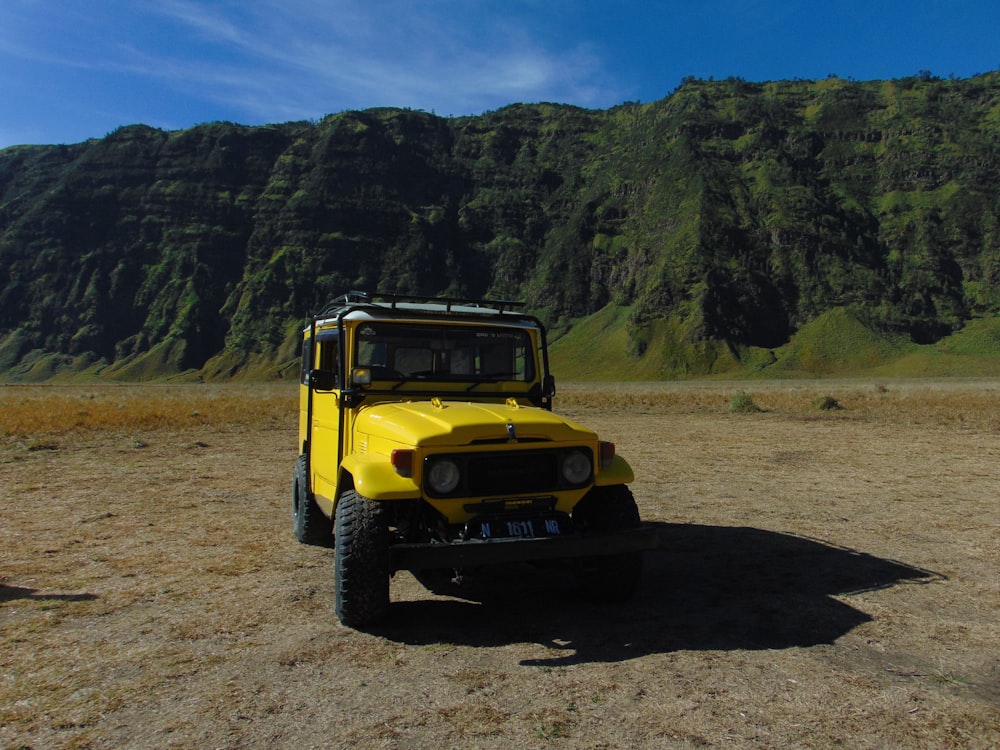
(826,578)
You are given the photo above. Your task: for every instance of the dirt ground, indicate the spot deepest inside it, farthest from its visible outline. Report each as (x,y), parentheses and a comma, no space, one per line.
(825,578)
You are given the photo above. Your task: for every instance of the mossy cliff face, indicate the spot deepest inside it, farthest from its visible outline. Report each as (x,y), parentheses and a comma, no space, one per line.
(723,218)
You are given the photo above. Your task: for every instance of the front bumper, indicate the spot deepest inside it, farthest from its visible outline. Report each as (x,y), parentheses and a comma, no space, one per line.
(478,552)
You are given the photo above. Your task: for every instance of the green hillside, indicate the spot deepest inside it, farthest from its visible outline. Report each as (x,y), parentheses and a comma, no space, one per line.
(835,344)
(732,228)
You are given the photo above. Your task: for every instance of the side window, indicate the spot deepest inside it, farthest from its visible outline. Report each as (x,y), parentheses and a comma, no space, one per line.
(306,362)
(321,354)
(329,356)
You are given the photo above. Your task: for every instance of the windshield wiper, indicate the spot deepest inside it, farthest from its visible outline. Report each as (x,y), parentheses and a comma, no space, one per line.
(493,377)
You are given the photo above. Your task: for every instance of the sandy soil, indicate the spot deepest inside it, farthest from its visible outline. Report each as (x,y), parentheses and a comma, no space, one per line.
(825,579)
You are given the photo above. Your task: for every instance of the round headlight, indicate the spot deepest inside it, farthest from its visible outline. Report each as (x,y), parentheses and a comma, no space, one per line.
(576,467)
(443,476)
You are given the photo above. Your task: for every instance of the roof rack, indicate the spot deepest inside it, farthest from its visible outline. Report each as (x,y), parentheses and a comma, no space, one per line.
(355,297)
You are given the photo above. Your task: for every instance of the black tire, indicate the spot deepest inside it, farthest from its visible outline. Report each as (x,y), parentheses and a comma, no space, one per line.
(361,534)
(609,578)
(311,526)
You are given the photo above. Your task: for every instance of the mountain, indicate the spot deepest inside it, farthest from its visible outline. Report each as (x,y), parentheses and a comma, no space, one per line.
(714,225)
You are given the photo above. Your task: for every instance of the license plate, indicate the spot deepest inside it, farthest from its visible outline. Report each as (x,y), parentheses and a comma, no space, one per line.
(513,528)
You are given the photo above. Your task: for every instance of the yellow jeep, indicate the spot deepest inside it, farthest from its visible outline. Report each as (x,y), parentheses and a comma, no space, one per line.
(426,436)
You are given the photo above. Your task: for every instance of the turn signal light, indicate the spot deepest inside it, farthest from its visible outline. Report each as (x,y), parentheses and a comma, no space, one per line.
(607,453)
(402,462)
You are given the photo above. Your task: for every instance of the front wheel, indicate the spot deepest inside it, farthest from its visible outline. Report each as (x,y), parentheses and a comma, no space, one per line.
(610,578)
(361,552)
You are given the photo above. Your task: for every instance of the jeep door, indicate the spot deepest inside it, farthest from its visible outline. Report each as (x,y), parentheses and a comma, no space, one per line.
(324,459)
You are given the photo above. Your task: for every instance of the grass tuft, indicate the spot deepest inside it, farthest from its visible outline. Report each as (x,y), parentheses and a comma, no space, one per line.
(827,403)
(743,403)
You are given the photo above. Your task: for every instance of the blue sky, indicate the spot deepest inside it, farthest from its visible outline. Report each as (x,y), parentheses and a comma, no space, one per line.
(77,69)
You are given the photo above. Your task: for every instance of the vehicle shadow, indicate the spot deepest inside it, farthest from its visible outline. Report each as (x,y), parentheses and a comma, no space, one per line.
(704,588)
(12,593)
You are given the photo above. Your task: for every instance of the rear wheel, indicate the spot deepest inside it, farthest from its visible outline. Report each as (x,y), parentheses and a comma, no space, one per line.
(311,526)
(609,577)
(361,533)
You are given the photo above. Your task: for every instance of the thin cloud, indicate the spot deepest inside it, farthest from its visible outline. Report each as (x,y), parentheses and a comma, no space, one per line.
(207,21)
(271,61)
(310,61)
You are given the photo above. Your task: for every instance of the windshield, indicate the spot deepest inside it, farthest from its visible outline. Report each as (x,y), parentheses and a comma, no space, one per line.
(405,351)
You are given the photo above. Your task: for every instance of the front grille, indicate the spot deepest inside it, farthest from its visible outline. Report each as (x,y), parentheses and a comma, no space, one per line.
(508,472)
(511,473)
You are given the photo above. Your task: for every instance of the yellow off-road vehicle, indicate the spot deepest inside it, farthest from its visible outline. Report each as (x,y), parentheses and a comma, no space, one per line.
(426,436)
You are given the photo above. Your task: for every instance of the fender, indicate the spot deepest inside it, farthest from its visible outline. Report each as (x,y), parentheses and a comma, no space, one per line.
(376,479)
(618,473)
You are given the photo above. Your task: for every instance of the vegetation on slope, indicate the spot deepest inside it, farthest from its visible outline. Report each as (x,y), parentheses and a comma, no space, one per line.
(705,231)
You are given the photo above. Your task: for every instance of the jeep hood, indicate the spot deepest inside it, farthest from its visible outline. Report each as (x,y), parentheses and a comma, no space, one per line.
(435,423)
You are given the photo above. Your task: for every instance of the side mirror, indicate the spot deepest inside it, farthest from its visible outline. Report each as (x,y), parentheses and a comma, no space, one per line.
(549,386)
(322,380)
